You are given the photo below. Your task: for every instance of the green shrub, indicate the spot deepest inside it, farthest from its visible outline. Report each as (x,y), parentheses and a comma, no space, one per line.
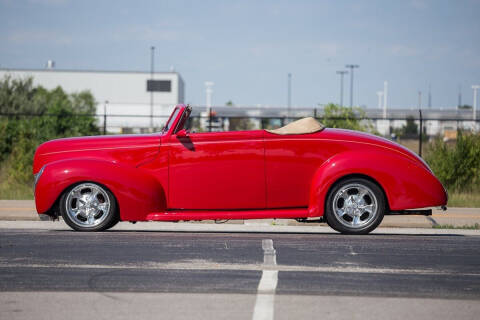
(458,165)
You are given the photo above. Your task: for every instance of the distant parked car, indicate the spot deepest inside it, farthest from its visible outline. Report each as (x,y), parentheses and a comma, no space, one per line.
(302,171)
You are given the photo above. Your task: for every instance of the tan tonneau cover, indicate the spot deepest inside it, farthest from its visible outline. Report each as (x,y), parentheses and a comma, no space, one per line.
(302,126)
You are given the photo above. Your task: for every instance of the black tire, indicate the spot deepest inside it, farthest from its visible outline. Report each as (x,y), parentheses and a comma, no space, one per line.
(95,211)
(355,206)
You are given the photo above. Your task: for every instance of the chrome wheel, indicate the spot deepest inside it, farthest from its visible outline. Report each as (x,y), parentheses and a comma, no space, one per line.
(355,205)
(87,205)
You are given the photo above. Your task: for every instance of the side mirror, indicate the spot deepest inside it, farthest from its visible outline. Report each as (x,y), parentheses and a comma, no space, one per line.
(182,133)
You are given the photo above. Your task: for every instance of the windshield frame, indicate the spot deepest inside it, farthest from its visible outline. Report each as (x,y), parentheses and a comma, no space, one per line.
(171,120)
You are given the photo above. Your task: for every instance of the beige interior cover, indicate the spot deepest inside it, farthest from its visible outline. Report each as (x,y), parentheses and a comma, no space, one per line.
(302,126)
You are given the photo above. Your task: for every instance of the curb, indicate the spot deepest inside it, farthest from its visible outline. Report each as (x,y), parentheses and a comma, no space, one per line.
(24,210)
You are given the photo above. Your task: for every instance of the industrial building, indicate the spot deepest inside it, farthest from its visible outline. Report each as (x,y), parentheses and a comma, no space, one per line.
(129,95)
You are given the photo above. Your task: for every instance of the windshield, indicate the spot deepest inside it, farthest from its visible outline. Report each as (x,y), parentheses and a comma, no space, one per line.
(170,121)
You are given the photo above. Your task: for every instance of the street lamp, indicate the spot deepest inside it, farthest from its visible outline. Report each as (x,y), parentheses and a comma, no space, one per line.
(152,57)
(341,73)
(105,117)
(289,94)
(209,92)
(380,98)
(475,89)
(351,67)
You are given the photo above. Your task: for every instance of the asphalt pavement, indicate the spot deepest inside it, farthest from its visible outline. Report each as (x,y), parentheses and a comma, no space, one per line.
(218,272)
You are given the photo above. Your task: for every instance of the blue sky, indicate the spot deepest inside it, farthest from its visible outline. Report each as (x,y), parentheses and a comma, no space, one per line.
(248,47)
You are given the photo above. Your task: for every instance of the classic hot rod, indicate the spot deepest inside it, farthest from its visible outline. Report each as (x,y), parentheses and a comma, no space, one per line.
(302,171)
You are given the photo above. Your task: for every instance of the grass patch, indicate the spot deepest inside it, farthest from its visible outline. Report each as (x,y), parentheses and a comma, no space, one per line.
(476,226)
(11,190)
(15,191)
(464,199)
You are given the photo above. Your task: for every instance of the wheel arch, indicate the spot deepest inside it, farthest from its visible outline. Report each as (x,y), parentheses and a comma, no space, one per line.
(405,183)
(54,210)
(137,193)
(352,176)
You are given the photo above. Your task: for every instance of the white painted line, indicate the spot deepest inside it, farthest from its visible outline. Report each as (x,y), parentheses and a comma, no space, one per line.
(265,302)
(209,265)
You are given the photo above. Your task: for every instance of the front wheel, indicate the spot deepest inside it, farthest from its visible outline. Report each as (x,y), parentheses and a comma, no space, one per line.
(355,206)
(88,207)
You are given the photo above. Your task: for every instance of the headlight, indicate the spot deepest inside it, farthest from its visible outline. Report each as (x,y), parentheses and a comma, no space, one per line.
(36,177)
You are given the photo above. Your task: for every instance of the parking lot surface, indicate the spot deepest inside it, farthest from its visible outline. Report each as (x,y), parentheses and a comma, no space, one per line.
(52,272)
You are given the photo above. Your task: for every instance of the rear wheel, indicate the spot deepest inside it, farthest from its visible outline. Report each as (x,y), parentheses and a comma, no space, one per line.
(355,206)
(88,207)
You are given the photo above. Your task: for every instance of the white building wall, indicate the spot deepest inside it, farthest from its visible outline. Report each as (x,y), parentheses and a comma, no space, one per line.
(117,87)
(126,93)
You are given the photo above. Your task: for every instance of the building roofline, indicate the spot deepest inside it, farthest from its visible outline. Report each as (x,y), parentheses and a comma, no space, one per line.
(88,71)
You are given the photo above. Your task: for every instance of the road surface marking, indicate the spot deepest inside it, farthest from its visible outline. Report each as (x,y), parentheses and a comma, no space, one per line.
(265,302)
(209,265)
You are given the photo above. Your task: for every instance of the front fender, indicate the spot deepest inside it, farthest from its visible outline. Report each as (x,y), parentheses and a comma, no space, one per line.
(137,192)
(407,184)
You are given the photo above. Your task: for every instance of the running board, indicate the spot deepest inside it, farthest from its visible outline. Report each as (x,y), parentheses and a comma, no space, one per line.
(424,212)
(177,215)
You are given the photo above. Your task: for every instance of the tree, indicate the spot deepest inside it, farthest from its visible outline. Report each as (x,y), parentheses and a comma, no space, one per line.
(32,115)
(336,116)
(411,128)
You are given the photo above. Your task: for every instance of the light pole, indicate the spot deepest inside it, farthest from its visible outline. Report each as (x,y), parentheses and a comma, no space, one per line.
(289,94)
(209,92)
(341,73)
(475,89)
(380,99)
(351,67)
(105,117)
(152,57)
(385,98)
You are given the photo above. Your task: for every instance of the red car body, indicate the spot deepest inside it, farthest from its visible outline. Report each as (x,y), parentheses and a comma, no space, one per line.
(174,175)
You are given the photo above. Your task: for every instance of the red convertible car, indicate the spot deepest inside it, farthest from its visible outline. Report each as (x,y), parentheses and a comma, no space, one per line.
(302,171)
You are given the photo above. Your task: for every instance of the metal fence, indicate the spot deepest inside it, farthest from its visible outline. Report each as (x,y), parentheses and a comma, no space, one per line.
(408,126)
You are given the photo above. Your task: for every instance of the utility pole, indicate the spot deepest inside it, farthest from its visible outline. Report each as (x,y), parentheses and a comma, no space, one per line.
(419,100)
(351,67)
(341,73)
(152,57)
(289,94)
(475,89)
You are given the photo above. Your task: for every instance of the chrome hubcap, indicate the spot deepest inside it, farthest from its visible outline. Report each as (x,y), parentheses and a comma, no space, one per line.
(87,205)
(355,205)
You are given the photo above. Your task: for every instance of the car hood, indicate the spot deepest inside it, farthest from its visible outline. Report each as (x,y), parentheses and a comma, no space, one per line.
(132,149)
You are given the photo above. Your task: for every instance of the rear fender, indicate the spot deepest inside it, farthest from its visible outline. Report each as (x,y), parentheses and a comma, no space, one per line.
(137,193)
(406,183)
